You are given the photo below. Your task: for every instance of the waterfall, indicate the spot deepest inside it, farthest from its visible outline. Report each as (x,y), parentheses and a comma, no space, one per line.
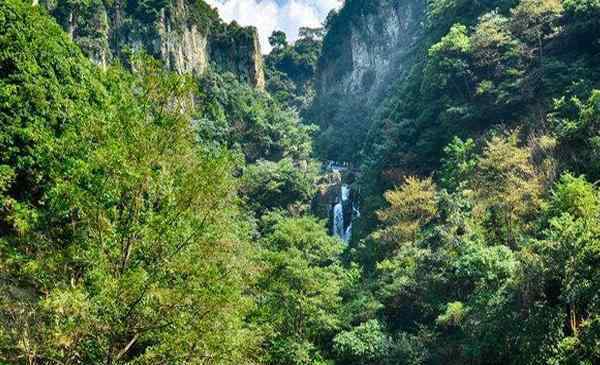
(340,227)
(338,219)
(345,193)
(348,234)
(343,202)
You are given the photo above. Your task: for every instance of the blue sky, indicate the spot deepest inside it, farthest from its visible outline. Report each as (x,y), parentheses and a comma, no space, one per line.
(270,15)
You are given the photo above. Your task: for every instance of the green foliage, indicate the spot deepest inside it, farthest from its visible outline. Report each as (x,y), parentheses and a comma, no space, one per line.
(472,275)
(411,206)
(300,298)
(291,69)
(499,266)
(112,215)
(122,214)
(106,30)
(446,58)
(459,163)
(235,115)
(128,201)
(507,188)
(365,344)
(492,63)
(147,10)
(279,185)
(442,14)
(454,315)
(566,252)
(278,39)
(575,124)
(582,21)
(574,195)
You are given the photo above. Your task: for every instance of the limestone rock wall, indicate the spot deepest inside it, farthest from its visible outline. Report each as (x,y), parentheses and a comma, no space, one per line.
(183,47)
(365,47)
(186,35)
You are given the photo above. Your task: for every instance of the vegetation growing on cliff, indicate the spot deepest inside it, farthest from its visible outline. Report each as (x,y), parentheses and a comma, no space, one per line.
(111,216)
(479,188)
(236,115)
(131,233)
(148,217)
(186,35)
(291,68)
(503,68)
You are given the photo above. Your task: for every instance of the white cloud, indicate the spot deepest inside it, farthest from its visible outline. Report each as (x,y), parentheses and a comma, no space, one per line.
(270,15)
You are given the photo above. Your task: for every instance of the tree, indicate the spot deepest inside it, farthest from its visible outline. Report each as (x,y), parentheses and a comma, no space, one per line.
(582,21)
(236,115)
(575,123)
(364,344)
(299,289)
(507,188)
(291,68)
(311,33)
(448,65)
(278,39)
(112,216)
(411,207)
(459,164)
(285,185)
(569,247)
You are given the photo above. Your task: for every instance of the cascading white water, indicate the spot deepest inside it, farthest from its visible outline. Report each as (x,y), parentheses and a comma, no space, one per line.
(348,234)
(345,193)
(339,227)
(338,219)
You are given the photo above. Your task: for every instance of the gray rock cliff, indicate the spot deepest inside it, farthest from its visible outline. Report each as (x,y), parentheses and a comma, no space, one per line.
(187,35)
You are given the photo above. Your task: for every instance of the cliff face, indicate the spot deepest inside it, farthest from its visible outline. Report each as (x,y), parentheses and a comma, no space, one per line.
(366,45)
(370,46)
(183,46)
(237,50)
(187,35)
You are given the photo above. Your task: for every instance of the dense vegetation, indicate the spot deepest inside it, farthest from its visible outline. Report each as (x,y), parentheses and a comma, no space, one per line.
(151,218)
(112,244)
(291,68)
(484,249)
(154,218)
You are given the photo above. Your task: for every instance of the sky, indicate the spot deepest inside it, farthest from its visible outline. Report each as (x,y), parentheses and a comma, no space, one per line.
(270,15)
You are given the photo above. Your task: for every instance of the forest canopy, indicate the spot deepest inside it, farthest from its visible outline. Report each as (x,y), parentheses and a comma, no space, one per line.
(150,215)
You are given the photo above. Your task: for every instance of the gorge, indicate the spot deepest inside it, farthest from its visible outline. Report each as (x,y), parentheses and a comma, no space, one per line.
(413,183)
